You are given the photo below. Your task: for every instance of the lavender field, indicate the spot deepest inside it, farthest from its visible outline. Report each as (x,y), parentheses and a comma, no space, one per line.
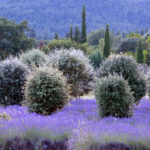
(79,123)
(77,87)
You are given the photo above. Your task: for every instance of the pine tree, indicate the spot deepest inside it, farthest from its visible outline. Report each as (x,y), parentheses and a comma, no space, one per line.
(56,36)
(83,35)
(140,57)
(76,34)
(106,52)
(71,33)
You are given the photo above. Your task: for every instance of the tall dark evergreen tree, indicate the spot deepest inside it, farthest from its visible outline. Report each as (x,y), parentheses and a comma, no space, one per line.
(140,57)
(71,33)
(56,36)
(76,35)
(106,52)
(83,34)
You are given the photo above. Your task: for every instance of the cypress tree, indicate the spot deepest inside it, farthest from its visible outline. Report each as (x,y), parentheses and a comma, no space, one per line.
(140,57)
(106,52)
(76,36)
(56,36)
(71,33)
(83,35)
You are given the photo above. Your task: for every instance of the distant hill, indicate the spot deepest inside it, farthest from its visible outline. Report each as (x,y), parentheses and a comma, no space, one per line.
(50,16)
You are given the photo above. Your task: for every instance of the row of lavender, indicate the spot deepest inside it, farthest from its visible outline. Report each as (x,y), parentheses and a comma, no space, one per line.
(45,83)
(76,127)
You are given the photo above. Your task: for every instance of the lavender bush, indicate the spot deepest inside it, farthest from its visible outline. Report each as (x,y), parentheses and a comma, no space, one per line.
(80,123)
(114,146)
(28,144)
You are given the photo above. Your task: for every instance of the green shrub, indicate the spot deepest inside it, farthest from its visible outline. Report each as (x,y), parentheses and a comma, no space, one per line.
(66,44)
(148,81)
(114,97)
(96,59)
(34,57)
(140,86)
(46,91)
(12,78)
(45,49)
(128,68)
(75,66)
(128,45)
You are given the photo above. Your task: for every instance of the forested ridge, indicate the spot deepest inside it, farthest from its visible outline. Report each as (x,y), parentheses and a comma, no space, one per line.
(49,16)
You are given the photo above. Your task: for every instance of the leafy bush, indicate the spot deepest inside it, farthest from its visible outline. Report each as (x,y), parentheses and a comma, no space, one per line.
(140,87)
(12,78)
(128,68)
(148,81)
(128,44)
(66,44)
(14,38)
(94,37)
(34,57)
(46,91)
(96,59)
(114,97)
(75,66)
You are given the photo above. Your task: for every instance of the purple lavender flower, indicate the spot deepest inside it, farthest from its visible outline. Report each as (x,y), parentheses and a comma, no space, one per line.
(80,123)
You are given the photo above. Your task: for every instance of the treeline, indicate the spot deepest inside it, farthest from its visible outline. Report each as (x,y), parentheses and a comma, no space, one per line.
(77,35)
(101,43)
(48,17)
(14,38)
(98,45)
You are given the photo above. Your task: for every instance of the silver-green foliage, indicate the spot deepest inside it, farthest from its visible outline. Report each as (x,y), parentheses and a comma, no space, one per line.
(12,78)
(127,67)
(34,58)
(76,68)
(46,91)
(114,97)
(148,81)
